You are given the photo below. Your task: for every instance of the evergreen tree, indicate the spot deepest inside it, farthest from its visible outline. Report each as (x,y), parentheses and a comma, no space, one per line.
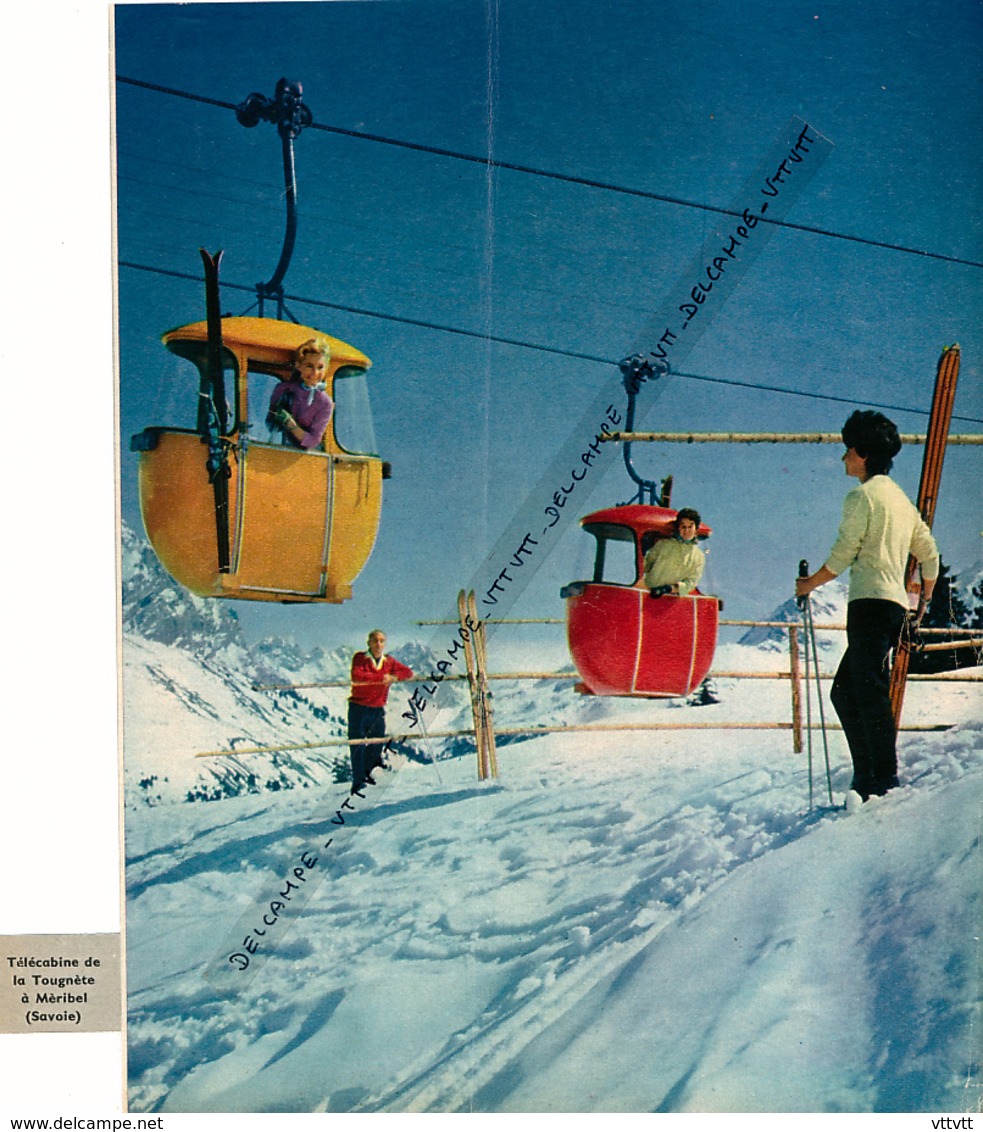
(948,609)
(705,694)
(974,617)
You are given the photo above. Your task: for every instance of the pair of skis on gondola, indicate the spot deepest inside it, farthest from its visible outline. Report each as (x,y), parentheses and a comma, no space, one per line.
(213,410)
(476,658)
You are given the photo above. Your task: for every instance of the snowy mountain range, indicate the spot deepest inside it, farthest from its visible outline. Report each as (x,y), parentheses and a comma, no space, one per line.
(828,606)
(672,920)
(193,684)
(959,603)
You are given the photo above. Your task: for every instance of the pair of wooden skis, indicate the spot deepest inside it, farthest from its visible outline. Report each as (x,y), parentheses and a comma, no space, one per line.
(476,657)
(928,495)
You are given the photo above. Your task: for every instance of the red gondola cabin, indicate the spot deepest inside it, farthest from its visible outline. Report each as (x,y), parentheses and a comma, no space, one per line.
(623,641)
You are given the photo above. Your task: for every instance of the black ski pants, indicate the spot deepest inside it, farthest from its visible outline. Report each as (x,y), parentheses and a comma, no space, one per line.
(861,692)
(365,723)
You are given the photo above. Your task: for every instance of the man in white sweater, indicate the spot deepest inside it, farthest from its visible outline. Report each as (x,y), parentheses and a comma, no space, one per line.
(879,529)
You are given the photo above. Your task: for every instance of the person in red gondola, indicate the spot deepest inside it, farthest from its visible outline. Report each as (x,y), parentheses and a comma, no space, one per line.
(300,407)
(372,674)
(675,565)
(879,529)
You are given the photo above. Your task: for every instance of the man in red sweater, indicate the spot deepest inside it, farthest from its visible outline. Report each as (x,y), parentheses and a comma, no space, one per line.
(372,673)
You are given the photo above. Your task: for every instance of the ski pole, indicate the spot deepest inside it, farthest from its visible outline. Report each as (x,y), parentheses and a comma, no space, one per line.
(819,697)
(806,606)
(803,603)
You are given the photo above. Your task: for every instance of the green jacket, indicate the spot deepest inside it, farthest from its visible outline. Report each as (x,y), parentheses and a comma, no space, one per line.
(879,529)
(671,561)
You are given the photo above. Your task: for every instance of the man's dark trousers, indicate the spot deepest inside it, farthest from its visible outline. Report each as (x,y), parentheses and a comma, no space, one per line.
(365,723)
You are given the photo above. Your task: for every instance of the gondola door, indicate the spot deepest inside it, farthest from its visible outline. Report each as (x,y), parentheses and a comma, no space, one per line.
(677,643)
(284,522)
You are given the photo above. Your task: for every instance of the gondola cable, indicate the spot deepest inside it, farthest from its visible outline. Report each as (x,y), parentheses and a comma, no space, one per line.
(587,182)
(553,350)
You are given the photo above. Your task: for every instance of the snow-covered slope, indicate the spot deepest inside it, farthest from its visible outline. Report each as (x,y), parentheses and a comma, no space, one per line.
(635,924)
(623,921)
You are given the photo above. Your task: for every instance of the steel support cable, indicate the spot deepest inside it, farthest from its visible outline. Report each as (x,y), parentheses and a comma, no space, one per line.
(555,350)
(568,178)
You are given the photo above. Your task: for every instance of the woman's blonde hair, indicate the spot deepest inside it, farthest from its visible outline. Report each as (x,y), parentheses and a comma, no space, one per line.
(312,346)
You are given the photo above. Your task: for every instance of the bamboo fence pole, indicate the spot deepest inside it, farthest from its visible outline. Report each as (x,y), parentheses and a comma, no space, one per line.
(719,674)
(951,629)
(767,438)
(550,730)
(972,644)
(487,760)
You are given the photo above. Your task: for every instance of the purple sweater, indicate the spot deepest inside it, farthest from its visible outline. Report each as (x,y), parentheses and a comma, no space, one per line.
(312,413)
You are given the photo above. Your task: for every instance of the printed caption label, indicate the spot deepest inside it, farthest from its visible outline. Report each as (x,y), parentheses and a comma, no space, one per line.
(60,983)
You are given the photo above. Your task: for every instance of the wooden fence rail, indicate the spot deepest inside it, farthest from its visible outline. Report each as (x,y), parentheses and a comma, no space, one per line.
(485,731)
(769,438)
(542,729)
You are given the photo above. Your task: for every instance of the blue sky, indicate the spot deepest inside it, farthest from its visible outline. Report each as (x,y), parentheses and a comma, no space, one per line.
(668,98)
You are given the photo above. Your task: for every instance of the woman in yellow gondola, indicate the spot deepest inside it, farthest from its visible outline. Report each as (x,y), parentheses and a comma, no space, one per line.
(300,407)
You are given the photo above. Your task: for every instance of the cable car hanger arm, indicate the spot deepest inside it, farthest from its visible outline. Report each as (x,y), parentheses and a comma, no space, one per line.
(290,116)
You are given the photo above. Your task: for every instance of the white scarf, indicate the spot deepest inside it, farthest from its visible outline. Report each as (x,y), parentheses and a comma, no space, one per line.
(312,389)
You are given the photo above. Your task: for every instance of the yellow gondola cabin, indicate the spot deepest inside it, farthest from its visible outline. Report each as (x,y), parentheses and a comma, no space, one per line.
(298,525)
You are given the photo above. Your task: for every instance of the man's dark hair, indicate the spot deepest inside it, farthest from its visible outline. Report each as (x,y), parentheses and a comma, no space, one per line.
(875,438)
